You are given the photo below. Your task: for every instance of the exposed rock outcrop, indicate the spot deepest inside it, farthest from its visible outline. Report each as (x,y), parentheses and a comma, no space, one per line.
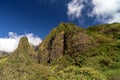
(66,39)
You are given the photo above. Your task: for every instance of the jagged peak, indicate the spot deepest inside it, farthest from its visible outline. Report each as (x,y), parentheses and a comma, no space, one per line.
(23,43)
(66,39)
(24,52)
(65,28)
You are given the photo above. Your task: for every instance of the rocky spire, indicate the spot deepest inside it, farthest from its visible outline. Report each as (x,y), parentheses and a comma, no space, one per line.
(24,53)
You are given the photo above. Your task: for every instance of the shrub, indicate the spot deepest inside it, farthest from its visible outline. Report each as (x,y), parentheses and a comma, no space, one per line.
(76,73)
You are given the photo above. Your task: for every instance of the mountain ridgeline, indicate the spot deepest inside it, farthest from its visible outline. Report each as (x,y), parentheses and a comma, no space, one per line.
(65,40)
(69,52)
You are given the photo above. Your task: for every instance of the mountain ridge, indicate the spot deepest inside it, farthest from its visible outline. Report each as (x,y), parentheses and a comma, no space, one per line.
(67,51)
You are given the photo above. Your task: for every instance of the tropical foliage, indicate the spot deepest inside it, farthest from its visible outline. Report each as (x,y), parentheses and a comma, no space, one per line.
(69,52)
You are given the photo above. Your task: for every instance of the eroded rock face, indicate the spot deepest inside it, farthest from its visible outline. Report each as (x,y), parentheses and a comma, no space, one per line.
(52,49)
(79,43)
(66,39)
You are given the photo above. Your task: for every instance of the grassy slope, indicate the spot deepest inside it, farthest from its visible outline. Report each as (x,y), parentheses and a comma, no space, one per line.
(104,58)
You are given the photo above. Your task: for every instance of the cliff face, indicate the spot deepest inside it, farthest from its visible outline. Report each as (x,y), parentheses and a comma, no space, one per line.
(80,50)
(52,48)
(66,39)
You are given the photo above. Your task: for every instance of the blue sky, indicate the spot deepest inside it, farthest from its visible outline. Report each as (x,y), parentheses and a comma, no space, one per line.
(31,16)
(40,16)
(37,18)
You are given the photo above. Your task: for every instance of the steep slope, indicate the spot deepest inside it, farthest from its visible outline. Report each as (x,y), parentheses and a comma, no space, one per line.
(70,52)
(24,53)
(107,55)
(66,39)
(22,64)
(110,30)
(97,47)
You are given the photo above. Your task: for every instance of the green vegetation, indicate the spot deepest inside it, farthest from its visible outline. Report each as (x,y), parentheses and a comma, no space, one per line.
(76,73)
(24,53)
(67,53)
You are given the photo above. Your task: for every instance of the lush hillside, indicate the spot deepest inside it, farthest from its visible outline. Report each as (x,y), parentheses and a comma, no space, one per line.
(69,52)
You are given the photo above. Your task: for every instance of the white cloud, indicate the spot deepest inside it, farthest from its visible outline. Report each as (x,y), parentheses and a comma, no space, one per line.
(74,8)
(10,43)
(115,18)
(106,10)
(33,40)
